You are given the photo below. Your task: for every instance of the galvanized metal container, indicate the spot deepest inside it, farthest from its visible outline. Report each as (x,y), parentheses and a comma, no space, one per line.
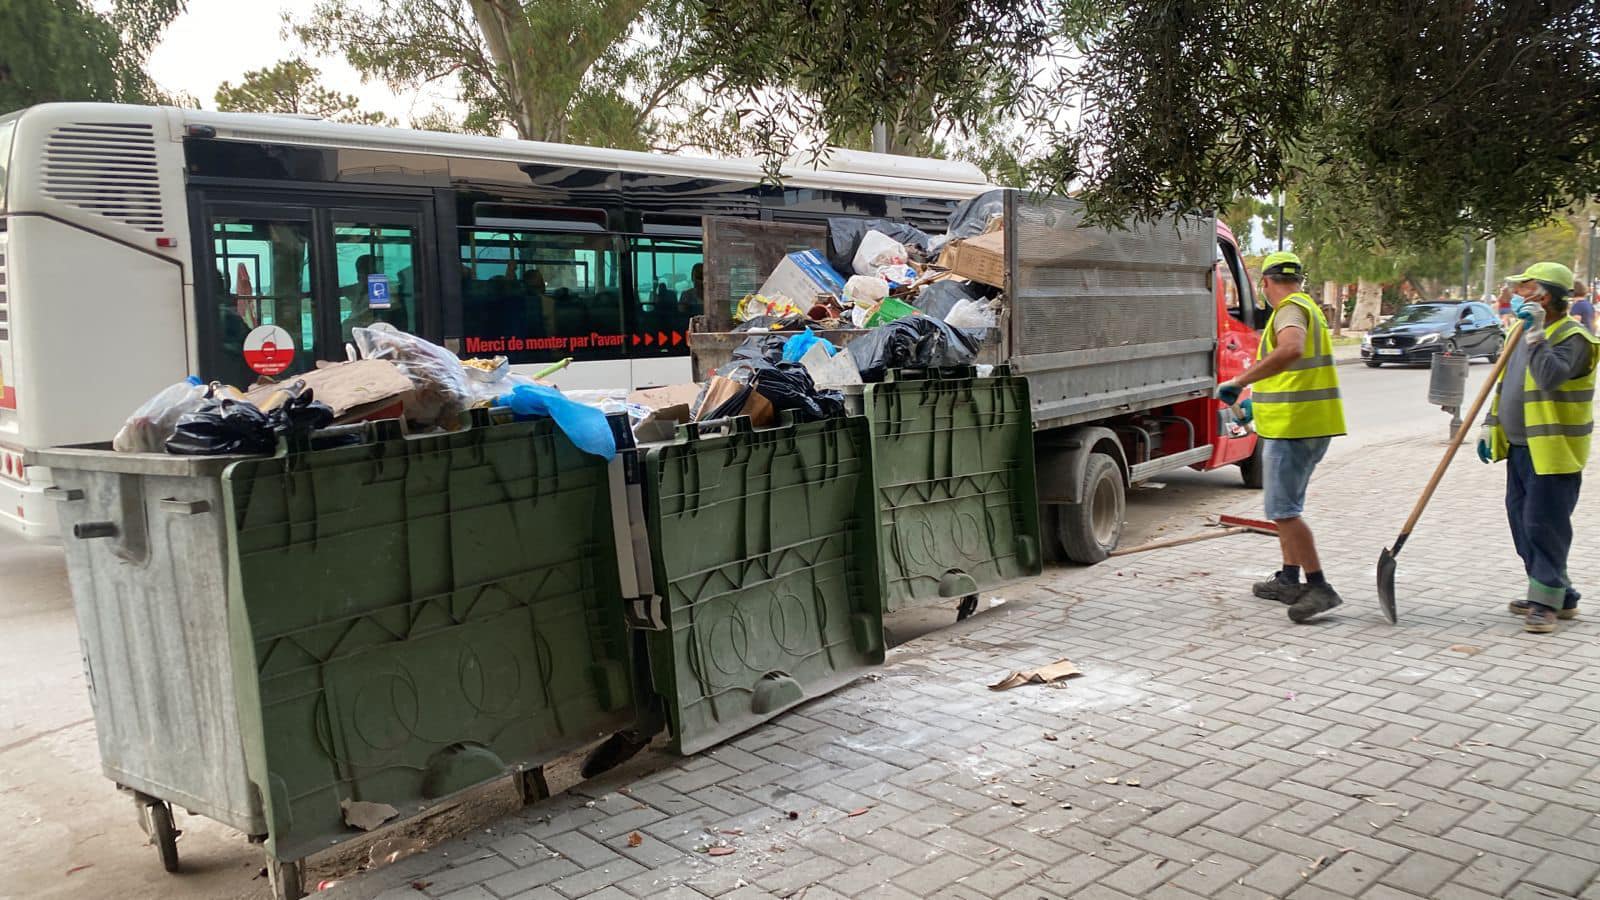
(147,549)
(1447,382)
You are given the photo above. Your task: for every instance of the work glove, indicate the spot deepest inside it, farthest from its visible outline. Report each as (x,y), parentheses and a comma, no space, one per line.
(1484,454)
(1228,393)
(1247,411)
(1532,316)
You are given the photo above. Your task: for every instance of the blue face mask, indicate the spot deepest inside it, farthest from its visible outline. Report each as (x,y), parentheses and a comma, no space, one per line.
(1518,304)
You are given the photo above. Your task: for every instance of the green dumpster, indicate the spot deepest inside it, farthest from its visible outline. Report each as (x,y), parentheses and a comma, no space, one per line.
(411,617)
(956,497)
(765,557)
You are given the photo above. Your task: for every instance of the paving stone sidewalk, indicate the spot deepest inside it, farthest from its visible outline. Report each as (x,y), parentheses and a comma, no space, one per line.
(1211,748)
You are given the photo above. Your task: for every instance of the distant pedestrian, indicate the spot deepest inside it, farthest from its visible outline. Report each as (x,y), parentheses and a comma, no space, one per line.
(1583,305)
(1540,423)
(1502,305)
(1297,413)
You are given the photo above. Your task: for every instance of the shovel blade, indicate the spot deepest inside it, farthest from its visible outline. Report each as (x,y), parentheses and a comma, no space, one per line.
(1386,585)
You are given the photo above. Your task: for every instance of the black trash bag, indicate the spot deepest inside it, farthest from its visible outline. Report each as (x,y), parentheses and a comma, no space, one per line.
(789,388)
(774,323)
(938,298)
(972,215)
(914,342)
(845,234)
(299,417)
(757,350)
(221,428)
(786,385)
(227,427)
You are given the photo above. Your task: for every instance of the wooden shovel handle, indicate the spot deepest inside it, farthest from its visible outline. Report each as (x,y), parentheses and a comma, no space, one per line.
(1466,425)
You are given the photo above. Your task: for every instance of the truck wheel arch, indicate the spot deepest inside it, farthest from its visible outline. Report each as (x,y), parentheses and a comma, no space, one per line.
(1062,456)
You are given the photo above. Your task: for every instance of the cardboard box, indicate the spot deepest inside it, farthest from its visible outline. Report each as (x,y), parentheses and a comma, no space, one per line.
(981,259)
(352,389)
(801,277)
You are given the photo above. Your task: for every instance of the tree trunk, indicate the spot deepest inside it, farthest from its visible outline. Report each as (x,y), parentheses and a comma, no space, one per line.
(1333,297)
(1369,300)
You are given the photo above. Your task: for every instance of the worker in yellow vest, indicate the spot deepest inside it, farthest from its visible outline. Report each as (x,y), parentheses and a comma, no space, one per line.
(1540,424)
(1297,414)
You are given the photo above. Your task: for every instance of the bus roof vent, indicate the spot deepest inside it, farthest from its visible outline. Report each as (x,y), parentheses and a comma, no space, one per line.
(106,168)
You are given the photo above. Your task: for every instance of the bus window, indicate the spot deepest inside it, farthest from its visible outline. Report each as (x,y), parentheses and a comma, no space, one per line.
(541,296)
(263,277)
(669,282)
(363,250)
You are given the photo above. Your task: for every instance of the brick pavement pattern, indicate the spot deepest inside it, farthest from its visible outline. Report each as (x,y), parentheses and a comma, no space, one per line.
(1211,748)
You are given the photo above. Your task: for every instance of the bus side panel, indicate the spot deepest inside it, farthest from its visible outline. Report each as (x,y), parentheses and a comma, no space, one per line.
(90,342)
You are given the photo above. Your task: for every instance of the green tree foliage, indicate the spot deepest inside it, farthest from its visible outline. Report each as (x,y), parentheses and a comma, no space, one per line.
(293,86)
(592,71)
(72,50)
(823,73)
(1413,119)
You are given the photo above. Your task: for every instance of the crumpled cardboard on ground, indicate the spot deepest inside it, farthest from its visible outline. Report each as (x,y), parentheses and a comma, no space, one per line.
(1056,671)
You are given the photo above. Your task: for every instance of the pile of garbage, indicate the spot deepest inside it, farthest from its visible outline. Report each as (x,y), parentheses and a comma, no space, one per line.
(392,375)
(878,271)
(907,298)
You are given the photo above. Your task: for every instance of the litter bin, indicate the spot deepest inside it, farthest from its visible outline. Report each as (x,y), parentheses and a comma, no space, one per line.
(147,559)
(955,489)
(766,565)
(394,622)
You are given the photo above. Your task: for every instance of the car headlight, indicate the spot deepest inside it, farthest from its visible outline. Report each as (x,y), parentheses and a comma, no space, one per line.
(1366,340)
(1429,338)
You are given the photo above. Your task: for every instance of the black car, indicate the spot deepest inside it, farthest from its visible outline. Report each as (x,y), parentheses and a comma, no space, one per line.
(1417,332)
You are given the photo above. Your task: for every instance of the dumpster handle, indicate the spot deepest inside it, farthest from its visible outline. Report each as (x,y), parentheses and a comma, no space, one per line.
(86,530)
(184,507)
(63,495)
(734,423)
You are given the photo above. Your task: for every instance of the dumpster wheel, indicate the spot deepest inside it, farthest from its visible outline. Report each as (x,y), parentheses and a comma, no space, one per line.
(155,816)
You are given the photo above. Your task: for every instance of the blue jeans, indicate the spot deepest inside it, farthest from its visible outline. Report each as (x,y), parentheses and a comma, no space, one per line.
(1289,463)
(1539,510)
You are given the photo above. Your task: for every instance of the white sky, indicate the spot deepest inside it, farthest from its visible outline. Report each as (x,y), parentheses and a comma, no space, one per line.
(220,40)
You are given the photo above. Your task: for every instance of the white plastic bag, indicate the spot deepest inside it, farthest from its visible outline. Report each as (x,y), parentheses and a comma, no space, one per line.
(967,314)
(442,390)
(897,275)
(865,290)
(147,430)
(877,250)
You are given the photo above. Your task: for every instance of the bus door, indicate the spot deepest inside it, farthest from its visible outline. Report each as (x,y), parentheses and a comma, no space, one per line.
(667,288)
(285,279)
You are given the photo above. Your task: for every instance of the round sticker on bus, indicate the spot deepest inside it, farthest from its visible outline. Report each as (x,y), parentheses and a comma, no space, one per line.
(268,350)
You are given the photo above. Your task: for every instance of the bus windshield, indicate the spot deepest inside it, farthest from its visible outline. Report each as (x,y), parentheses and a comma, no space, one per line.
(8,127)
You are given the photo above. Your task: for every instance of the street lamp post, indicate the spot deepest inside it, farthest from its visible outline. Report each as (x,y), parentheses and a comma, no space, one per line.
(1594,235)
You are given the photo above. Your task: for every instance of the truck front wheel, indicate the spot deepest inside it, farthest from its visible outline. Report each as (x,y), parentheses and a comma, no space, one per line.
(1252,468)
(1089,531)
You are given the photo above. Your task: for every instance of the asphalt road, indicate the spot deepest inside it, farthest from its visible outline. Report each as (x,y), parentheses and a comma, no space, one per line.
(71,834)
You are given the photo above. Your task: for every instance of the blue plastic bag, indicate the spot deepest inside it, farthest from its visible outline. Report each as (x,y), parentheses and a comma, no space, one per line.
(797,346)
(585,426)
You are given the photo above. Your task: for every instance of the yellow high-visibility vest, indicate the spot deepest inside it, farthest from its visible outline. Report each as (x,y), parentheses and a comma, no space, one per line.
(1557,423)
(1303,400)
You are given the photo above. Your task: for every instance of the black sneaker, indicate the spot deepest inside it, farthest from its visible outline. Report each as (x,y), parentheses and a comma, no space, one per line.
(1540,620)
(1275,588)
(1316,600)
(1519,608)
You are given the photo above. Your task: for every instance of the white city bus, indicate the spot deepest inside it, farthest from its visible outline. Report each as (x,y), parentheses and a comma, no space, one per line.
(139,245)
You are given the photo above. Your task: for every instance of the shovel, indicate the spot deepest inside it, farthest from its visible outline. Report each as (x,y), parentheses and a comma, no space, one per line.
(1386,559)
